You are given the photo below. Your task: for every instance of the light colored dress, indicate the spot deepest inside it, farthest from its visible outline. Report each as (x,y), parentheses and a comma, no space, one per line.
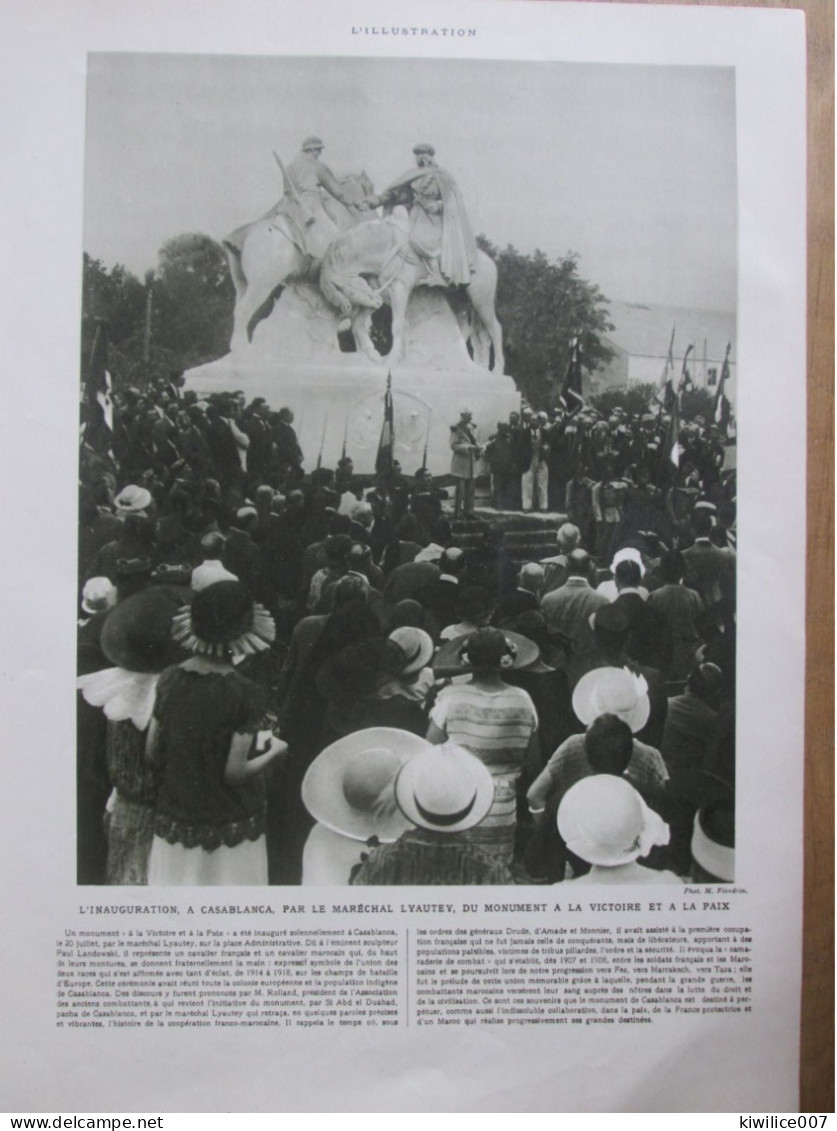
(497,727)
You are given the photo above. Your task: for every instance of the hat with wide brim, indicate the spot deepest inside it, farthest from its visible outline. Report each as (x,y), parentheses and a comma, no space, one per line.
(445,789)
(604,820)
(612,691)
(224,622)
(137,632)
(349,787)
(449,659)
(417,646)
(132,499)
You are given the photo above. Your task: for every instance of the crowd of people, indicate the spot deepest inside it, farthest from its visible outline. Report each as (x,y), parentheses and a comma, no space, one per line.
(305,676)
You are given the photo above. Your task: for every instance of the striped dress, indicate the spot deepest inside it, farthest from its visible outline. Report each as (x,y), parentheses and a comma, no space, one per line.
(496,726)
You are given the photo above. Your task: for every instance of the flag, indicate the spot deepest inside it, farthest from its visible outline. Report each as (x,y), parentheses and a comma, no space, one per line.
(570,395)
(672,450)
(721,407)
(98,393)
(686,382)
(665,393)
(386,445)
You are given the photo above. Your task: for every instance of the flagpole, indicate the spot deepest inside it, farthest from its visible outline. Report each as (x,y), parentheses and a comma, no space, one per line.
(345,434)
(322,443)
(426,441)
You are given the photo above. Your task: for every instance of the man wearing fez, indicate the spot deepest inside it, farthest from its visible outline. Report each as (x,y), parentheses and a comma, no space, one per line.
(463,464)
(439,229)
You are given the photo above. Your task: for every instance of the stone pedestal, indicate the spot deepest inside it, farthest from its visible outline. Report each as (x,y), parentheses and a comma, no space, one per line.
(295,359)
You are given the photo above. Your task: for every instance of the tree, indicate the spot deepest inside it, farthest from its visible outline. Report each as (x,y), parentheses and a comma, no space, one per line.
(542,306)
(193,299)
(634,399)
(698,402)
(115,295)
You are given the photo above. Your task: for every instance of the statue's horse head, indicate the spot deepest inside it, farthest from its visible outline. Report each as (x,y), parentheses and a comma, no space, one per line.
(356,186)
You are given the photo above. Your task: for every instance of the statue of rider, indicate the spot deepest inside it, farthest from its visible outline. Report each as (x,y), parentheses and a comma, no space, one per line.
(306,203)
(439,230)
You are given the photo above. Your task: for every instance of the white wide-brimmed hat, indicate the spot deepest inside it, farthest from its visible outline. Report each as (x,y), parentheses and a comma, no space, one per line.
(132,500)
(713,839)
(628,554)
(445,789)
(98,595)
(416,645)
(612,691)
(605,821)
(349,786)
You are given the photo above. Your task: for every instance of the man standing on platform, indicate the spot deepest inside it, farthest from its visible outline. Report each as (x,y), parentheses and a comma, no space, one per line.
(463,465)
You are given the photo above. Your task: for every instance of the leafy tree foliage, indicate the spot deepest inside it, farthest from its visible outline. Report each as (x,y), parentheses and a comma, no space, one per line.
(634,399)
(194,299)
(115,295)
(698,402)
(191,304)
(542,306)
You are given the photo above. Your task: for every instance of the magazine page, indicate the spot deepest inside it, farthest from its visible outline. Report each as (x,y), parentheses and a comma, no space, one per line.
(406,667)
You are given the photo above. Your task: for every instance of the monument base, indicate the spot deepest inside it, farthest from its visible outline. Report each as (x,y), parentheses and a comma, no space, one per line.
(337,398)
(337,405)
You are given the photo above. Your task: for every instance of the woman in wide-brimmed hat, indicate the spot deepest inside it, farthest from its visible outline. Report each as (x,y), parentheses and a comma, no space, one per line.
(446,793)
(349,791)
(492,720)
(210,820)
(136,639)
(605,822)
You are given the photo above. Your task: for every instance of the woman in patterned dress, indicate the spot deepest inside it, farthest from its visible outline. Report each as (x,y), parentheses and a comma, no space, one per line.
(494,721)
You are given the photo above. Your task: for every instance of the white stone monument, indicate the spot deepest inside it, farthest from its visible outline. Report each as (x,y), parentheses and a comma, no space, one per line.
(293,356)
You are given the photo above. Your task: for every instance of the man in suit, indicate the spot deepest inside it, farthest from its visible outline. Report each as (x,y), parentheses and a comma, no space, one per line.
(463,466)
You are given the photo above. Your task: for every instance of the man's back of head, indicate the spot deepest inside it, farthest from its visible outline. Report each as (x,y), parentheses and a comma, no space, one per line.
(578,564)
(452,560)
(531,577)
(627,575)
(702,523)
(568,538)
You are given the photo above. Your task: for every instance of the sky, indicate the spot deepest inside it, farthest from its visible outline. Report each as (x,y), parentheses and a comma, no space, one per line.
(631,167)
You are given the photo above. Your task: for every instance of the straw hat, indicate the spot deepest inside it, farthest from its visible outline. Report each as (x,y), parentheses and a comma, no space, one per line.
(490,647)
(349,786)
(628,554)
(612,691)
(132,500)
(713,839)
(137,633)
(224,622)
(445,789)
(605,821)
(98,594)
(416,646)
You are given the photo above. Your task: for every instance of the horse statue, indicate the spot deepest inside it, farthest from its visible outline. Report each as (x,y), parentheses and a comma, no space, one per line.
(378,252)
(278,249)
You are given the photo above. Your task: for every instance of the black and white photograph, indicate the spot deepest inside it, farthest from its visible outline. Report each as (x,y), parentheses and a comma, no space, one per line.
(407,472)
(403,706)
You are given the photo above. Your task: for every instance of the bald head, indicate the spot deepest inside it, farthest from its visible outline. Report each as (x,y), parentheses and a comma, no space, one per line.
(531,577)
(452,560)
(569,537)
(578,564)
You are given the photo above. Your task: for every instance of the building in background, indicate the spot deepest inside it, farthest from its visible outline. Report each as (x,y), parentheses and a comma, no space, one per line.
(640,342)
